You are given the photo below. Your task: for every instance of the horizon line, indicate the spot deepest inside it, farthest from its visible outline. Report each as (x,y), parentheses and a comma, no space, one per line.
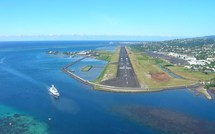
(81,37)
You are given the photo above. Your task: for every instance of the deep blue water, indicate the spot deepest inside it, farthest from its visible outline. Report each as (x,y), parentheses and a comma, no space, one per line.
(26,72)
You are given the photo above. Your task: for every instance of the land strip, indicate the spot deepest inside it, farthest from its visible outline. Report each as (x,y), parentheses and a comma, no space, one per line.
(125,73)
(72,63)
(86,68)
(107,88)
(204,92)
(110,71)
(150,75)
(157,80)
(192,75)
(102,87)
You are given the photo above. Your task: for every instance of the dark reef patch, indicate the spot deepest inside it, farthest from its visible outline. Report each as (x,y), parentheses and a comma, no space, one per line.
(165,120)
(14,122)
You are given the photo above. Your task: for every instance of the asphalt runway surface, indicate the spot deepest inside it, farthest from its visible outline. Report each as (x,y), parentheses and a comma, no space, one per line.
(171,59)
(125,73)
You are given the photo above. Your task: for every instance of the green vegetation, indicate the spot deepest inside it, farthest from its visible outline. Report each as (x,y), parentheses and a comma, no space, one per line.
(110,71)
(162,62)
(150,74)
(201,48)
(190,42)
(103,55)
(211,85)
(201,56)
(86,68)
(149,71)
(191,75)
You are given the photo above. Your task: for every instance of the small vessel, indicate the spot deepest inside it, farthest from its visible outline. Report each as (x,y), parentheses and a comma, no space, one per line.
(54,91)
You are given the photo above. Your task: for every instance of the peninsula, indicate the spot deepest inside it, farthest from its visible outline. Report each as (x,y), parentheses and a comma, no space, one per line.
(152,67)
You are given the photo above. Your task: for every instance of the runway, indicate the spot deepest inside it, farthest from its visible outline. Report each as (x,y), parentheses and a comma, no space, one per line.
(125,73)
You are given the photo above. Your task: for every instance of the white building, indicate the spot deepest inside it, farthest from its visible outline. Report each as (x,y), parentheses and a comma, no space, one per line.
(189,58)
(173,54)
(197,62)
(188,67)
(83,53)
(211,59)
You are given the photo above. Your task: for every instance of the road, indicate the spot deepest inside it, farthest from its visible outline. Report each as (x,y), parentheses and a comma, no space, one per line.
(125,73)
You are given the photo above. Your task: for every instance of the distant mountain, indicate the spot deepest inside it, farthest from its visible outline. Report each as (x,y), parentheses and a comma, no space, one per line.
(197,41)
(209,37)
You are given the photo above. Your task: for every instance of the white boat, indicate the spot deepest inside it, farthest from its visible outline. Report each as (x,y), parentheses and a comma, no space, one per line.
(54,91)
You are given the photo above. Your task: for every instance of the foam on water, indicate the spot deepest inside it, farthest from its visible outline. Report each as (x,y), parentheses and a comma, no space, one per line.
(18,74)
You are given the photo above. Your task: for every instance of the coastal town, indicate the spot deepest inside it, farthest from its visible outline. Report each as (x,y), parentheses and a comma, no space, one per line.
(198,56)
(73,54)
(192,55)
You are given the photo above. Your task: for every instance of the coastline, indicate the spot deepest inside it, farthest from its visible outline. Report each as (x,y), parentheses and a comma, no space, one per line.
(143,89)
(204,91)
(81,103)
(107,88)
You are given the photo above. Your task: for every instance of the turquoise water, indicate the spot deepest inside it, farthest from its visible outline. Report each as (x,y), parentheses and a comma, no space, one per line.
(27,71)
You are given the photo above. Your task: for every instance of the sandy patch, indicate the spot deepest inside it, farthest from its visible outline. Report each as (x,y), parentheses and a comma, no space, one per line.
(159,76)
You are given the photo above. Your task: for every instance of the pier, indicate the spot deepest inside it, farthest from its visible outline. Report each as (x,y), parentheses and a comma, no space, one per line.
(67,66)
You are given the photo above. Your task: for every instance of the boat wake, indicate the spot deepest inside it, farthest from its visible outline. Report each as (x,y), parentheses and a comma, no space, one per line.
(66,105)
(17,73)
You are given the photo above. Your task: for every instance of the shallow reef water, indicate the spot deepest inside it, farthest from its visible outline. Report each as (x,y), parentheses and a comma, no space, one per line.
(165,120)
(15,122)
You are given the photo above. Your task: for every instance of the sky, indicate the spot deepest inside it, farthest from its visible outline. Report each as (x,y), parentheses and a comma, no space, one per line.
(105,19)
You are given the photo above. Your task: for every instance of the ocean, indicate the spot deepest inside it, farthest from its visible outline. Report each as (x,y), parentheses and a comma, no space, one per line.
(27,71)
